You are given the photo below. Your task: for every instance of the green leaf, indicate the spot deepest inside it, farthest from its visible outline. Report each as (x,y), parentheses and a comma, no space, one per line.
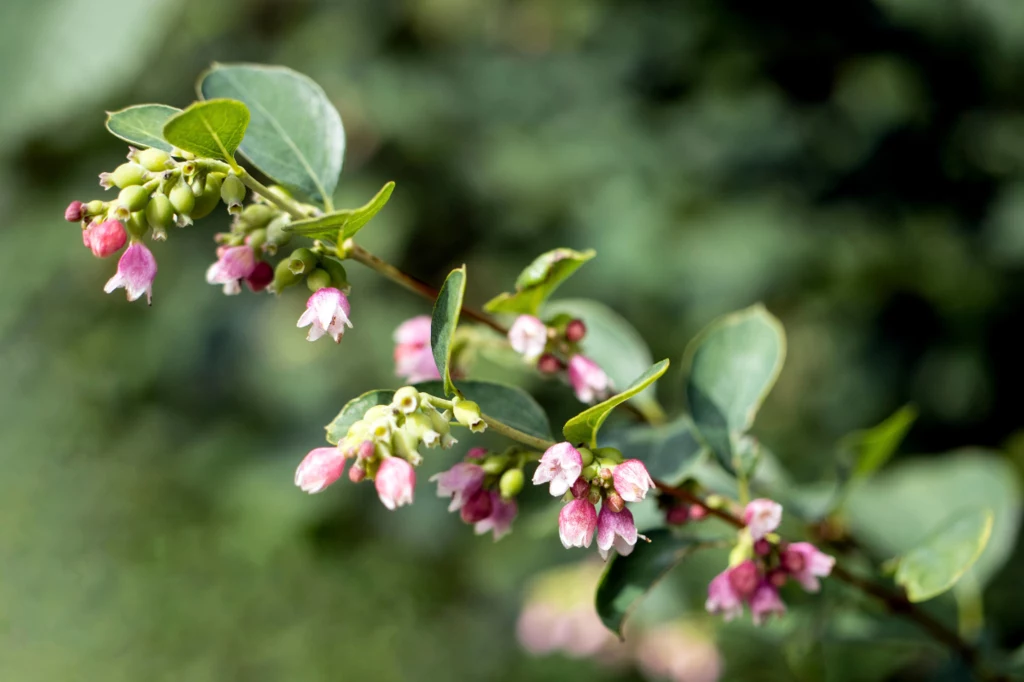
(354,411)
(508,404)
(583,427)
(443,323)
(628,578)
(733,364)
(142,124)
(538,281)
(874,447)
(935,566)
(669,451)
(614,344)
(343,224)
(212,129)
(296,136)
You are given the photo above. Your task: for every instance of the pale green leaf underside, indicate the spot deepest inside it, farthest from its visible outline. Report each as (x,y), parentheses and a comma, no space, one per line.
(538,281)
(343,224)
(142,125)
(583,427)
(443,322)
(211,129)
(935,566)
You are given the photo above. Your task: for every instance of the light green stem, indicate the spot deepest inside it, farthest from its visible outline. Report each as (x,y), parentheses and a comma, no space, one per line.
(284,203)
(499,427)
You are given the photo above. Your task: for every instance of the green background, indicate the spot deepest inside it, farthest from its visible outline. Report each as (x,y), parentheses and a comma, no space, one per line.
(857,166)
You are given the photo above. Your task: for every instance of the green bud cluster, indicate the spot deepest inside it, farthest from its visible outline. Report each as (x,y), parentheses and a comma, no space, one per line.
(317,269)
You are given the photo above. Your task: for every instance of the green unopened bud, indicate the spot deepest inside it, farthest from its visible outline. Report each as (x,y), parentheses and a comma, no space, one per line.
(609,454)
(182,199)
(256,240)
(232,193)
(95,208)
(405,443)
(318,279)
(407,400)
(210,196)
(339,278)
(302,261)
(511,483)
(277,236)
(467,413)
(133,198)
(154,159)
(494,464)
(378,412)
(586,455)
(127,175)
(159,212)
(283,277)
(256,215)
(590,471)
(439,420)
(419,424)
(136,224)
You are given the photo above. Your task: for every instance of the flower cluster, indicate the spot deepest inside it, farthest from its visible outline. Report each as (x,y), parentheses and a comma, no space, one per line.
(586,479)
(484,494)
(554,348)
(761,564)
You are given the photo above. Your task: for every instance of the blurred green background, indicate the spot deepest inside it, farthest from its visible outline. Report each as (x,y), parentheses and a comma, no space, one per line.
(858,166)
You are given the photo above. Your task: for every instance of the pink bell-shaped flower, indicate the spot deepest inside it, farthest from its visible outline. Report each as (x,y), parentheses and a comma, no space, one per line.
(234,263)
(320,468)
(326,313)
(135,273)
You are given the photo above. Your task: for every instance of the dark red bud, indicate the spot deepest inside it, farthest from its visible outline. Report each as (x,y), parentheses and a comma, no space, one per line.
(261,276)
(792,562)
(677,515)
(549,364)
(73,213)
(615,502)
(743,579)
(762,547)
(777,578)
(575,331)
(477,507)
(581,488)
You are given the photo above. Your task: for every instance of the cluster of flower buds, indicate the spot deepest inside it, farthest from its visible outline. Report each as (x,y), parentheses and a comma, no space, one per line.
(554,348)
(483,489)
(761,563)
(414,359)
(587,478)
(678,512)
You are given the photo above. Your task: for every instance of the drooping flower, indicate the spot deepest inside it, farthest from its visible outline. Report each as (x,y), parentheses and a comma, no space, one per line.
(477,507)
(588,380)
(806,564)
(135,272)
(615,530)
(722,598)
(234,263)
(327,311)
(476,453)
(320,468)
(576,523)
(766,602)
(762,516)
(631,480)
(260,277)
(561,464)
(395,482)
(414,360)
(744,578)
(500,520)
(459,483)
(528,336)
(105,239)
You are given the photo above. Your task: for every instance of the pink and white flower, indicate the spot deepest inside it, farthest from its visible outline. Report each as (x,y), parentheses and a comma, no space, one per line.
(744,578)
(320,468)
(762,516)
(327,311)
(615,530)
(414,360)
(104,239)
(576,523)
(528,336)
(722,598)
(395,482)
(631,480)
(234,263)
(560,465)
(136,271)
(459,483)
(499,522)
(588,380)
(477,507)
(806,564)
(766,602)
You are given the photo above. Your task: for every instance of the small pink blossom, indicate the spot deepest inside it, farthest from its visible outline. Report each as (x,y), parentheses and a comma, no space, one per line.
(806,564)
(327,311)
(762,516)
(459,483)
(414,360)
(74,212)
(722,598)
(320,468)
(561,464)
(576,523)
(499,522)
(528,336)
(631,480)
(234,263)
(766,602)
(395,482)
(476,453)
(588,380)
(615,530)
(744,578)
(104,239)
(135,272)
(477,507)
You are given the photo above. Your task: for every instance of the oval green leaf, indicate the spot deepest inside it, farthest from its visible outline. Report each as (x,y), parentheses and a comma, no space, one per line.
(628,578)
(212,129)
(142,124)
(583,427)
(935,566)
(508,404)
(443,323)
(732,365)
(343,224)
(873,447)
(538,281)
(353,411)
(669,451)
(295,136)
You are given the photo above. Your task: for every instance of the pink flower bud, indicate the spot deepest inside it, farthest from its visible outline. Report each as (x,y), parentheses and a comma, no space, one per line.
(460,483)
(528,336)
(580,489)
(499,522)
(614,502)
(476,453)
(766,602)
(234,263)
(105,239)
(777,578)
(320,468)
(74,213)
(414,360)
(677,515)
(135,272)
(631,480)
(561,464)
(477,507)
(744,578)
(806,564)
(615,529)
(762,547)
(357,474)
(722,598)
(327,311)
(575,331)
(762,516)
(549,364)
(260,277)
(395,482)
(588,380)
(576,523)
(698,512)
